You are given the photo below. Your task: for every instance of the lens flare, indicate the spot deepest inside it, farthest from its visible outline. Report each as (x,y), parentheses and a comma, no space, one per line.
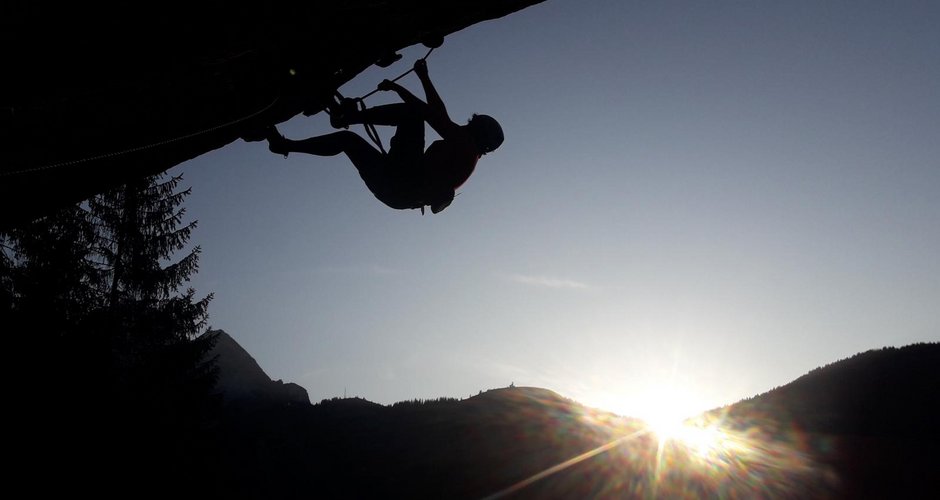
(665,409)
(745,454)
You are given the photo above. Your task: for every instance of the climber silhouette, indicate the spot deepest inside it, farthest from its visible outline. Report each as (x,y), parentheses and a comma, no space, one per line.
(407,176)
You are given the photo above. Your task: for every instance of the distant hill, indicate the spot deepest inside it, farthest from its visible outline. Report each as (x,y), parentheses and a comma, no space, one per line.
(241,379)
(890,392)
(352,448)
(870,421)
(860,427)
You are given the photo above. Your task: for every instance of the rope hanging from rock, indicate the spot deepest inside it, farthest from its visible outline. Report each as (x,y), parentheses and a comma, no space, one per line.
(141,148)
(371,132)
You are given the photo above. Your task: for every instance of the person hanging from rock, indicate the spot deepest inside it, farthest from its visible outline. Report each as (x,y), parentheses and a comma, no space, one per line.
(406,176)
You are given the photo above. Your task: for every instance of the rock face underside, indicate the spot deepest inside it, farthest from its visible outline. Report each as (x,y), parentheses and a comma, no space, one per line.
(99,95)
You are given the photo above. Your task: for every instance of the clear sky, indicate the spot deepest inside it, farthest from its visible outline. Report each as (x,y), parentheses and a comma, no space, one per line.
(695,200)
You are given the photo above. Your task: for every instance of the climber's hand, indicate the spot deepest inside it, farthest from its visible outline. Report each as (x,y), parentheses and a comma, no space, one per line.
(386,85)
(421,68)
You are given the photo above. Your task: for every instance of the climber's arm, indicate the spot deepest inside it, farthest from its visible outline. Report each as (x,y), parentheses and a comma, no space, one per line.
(402,92)
(437,112)
(430,93)
(435,115)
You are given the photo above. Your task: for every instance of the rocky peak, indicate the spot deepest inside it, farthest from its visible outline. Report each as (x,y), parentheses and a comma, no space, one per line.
(242,380)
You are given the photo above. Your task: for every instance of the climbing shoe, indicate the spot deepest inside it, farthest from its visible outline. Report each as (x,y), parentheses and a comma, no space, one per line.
(276,142)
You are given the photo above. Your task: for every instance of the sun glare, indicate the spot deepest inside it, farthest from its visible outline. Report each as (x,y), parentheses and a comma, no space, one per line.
(670,413)
(686,451)
(666,425)
(672,416)
(665,409)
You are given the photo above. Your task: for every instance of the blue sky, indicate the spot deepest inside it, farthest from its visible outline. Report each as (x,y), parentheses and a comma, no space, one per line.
(695,200)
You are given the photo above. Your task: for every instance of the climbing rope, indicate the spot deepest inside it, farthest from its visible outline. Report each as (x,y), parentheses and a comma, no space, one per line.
(140,148)
(371,132)
(370,128)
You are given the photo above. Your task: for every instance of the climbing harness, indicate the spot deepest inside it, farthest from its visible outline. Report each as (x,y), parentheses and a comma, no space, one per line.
(341,104)
(360,103)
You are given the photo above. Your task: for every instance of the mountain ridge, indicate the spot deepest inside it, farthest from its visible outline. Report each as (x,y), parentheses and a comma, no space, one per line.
(838,394)
(530,442)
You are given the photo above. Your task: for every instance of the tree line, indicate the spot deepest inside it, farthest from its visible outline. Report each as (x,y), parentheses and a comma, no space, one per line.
(106,333)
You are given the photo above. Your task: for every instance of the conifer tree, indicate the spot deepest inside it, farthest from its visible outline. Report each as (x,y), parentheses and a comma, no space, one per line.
(142,228)
(141,224)
(160,381)
(6,277)
(49,284)
(49,280)
(93,304)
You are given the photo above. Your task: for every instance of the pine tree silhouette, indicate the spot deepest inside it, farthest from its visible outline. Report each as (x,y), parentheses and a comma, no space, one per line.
(103,340)
(49,288)
(158,378)
(141,224)
(48,274)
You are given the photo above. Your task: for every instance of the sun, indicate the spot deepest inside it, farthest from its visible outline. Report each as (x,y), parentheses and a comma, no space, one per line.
(673,416)
(668,408)
(666,427)
(665,408)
